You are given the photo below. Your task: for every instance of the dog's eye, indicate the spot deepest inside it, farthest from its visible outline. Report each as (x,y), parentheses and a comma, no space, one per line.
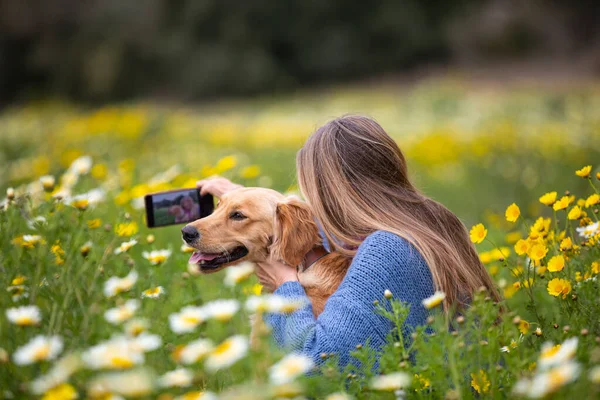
(237,216)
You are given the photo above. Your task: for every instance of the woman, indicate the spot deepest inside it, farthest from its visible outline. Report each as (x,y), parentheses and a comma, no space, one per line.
(189,210)
(355,178)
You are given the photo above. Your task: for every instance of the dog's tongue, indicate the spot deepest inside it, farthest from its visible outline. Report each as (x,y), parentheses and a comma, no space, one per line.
(197,257)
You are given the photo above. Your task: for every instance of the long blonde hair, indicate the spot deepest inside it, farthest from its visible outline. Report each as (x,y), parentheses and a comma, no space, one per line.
(354,177)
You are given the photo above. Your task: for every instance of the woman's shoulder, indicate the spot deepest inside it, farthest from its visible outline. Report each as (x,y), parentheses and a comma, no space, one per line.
(384,245)
(384,239)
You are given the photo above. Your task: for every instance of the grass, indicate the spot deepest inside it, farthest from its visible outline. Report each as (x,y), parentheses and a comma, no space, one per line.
(476,151)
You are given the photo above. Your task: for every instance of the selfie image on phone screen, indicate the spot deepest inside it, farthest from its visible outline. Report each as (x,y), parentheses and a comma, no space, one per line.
(176,207)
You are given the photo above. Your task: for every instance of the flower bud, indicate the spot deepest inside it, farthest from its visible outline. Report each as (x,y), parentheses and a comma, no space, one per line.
(10,193)
(387,294)
(48,182)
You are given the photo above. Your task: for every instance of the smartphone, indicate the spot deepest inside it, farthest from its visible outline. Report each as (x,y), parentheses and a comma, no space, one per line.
(176,207)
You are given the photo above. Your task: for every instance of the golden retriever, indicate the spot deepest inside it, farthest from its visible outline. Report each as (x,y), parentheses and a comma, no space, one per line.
(249,224)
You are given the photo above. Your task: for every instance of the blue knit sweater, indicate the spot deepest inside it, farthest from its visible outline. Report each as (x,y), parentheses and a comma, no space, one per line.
(383,261)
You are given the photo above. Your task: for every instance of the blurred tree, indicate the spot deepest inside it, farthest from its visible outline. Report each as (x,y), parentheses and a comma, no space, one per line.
(100,50)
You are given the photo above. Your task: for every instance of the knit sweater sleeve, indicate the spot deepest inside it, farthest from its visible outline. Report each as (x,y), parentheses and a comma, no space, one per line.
(383,261)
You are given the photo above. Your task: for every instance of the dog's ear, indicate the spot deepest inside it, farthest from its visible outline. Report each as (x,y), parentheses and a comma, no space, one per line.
(296,232)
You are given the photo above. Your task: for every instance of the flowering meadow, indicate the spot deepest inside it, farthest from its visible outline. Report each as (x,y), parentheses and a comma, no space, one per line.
(95,305)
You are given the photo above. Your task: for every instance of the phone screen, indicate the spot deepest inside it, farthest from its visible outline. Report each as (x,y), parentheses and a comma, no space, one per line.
(176,207)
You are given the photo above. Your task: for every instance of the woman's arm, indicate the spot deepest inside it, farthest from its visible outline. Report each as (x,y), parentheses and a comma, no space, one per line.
(383,261)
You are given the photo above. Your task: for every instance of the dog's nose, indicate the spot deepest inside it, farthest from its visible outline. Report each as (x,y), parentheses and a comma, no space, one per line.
(189,233)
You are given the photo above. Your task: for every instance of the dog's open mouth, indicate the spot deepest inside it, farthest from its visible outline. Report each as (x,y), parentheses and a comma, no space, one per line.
(215,260)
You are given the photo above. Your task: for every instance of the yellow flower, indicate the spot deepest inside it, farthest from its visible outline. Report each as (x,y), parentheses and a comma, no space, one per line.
(522,247)
(584,172)
(512,213)
(18,280)
(249,172)
(561,204)
(64,391)
(513,237)
(421,382)
(99,171)
(523,327)
(566,244)
(557,287)
(510,291)
(58,254)
(225,164)
(575,213)
(478,233)
(480,382)
(537,252)
(255,289)
(592,200)
(126,229)
(94,223)
(595,267)
(548,199)
(556,263)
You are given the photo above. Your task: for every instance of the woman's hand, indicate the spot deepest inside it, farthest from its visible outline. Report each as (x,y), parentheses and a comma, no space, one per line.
(273,273)
(216,186)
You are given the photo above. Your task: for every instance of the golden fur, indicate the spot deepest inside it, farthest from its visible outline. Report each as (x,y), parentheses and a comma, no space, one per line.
(272,224)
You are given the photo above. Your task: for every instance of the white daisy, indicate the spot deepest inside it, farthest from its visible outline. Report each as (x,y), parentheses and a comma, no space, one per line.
(134,383)
(122,313)
(594,374)
(32,239)
(589,231)
(391,382)
(18,292)
(153,293)
(157,257)
(48,182)
(274,304)
(197,396)
(338,396)
(195,351)
(555,355)
(59,373)
(289,368)
(238,273)
(115,285)
(123,247)
(40,348)
(136,326)
(81,165)
(550,381)
(37,222)
(187,319)
(85,200)
(180,377)
(435,300)
(24,316)
(221,310)
(227,353)
(115,353)
(145,342)
(187,249)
